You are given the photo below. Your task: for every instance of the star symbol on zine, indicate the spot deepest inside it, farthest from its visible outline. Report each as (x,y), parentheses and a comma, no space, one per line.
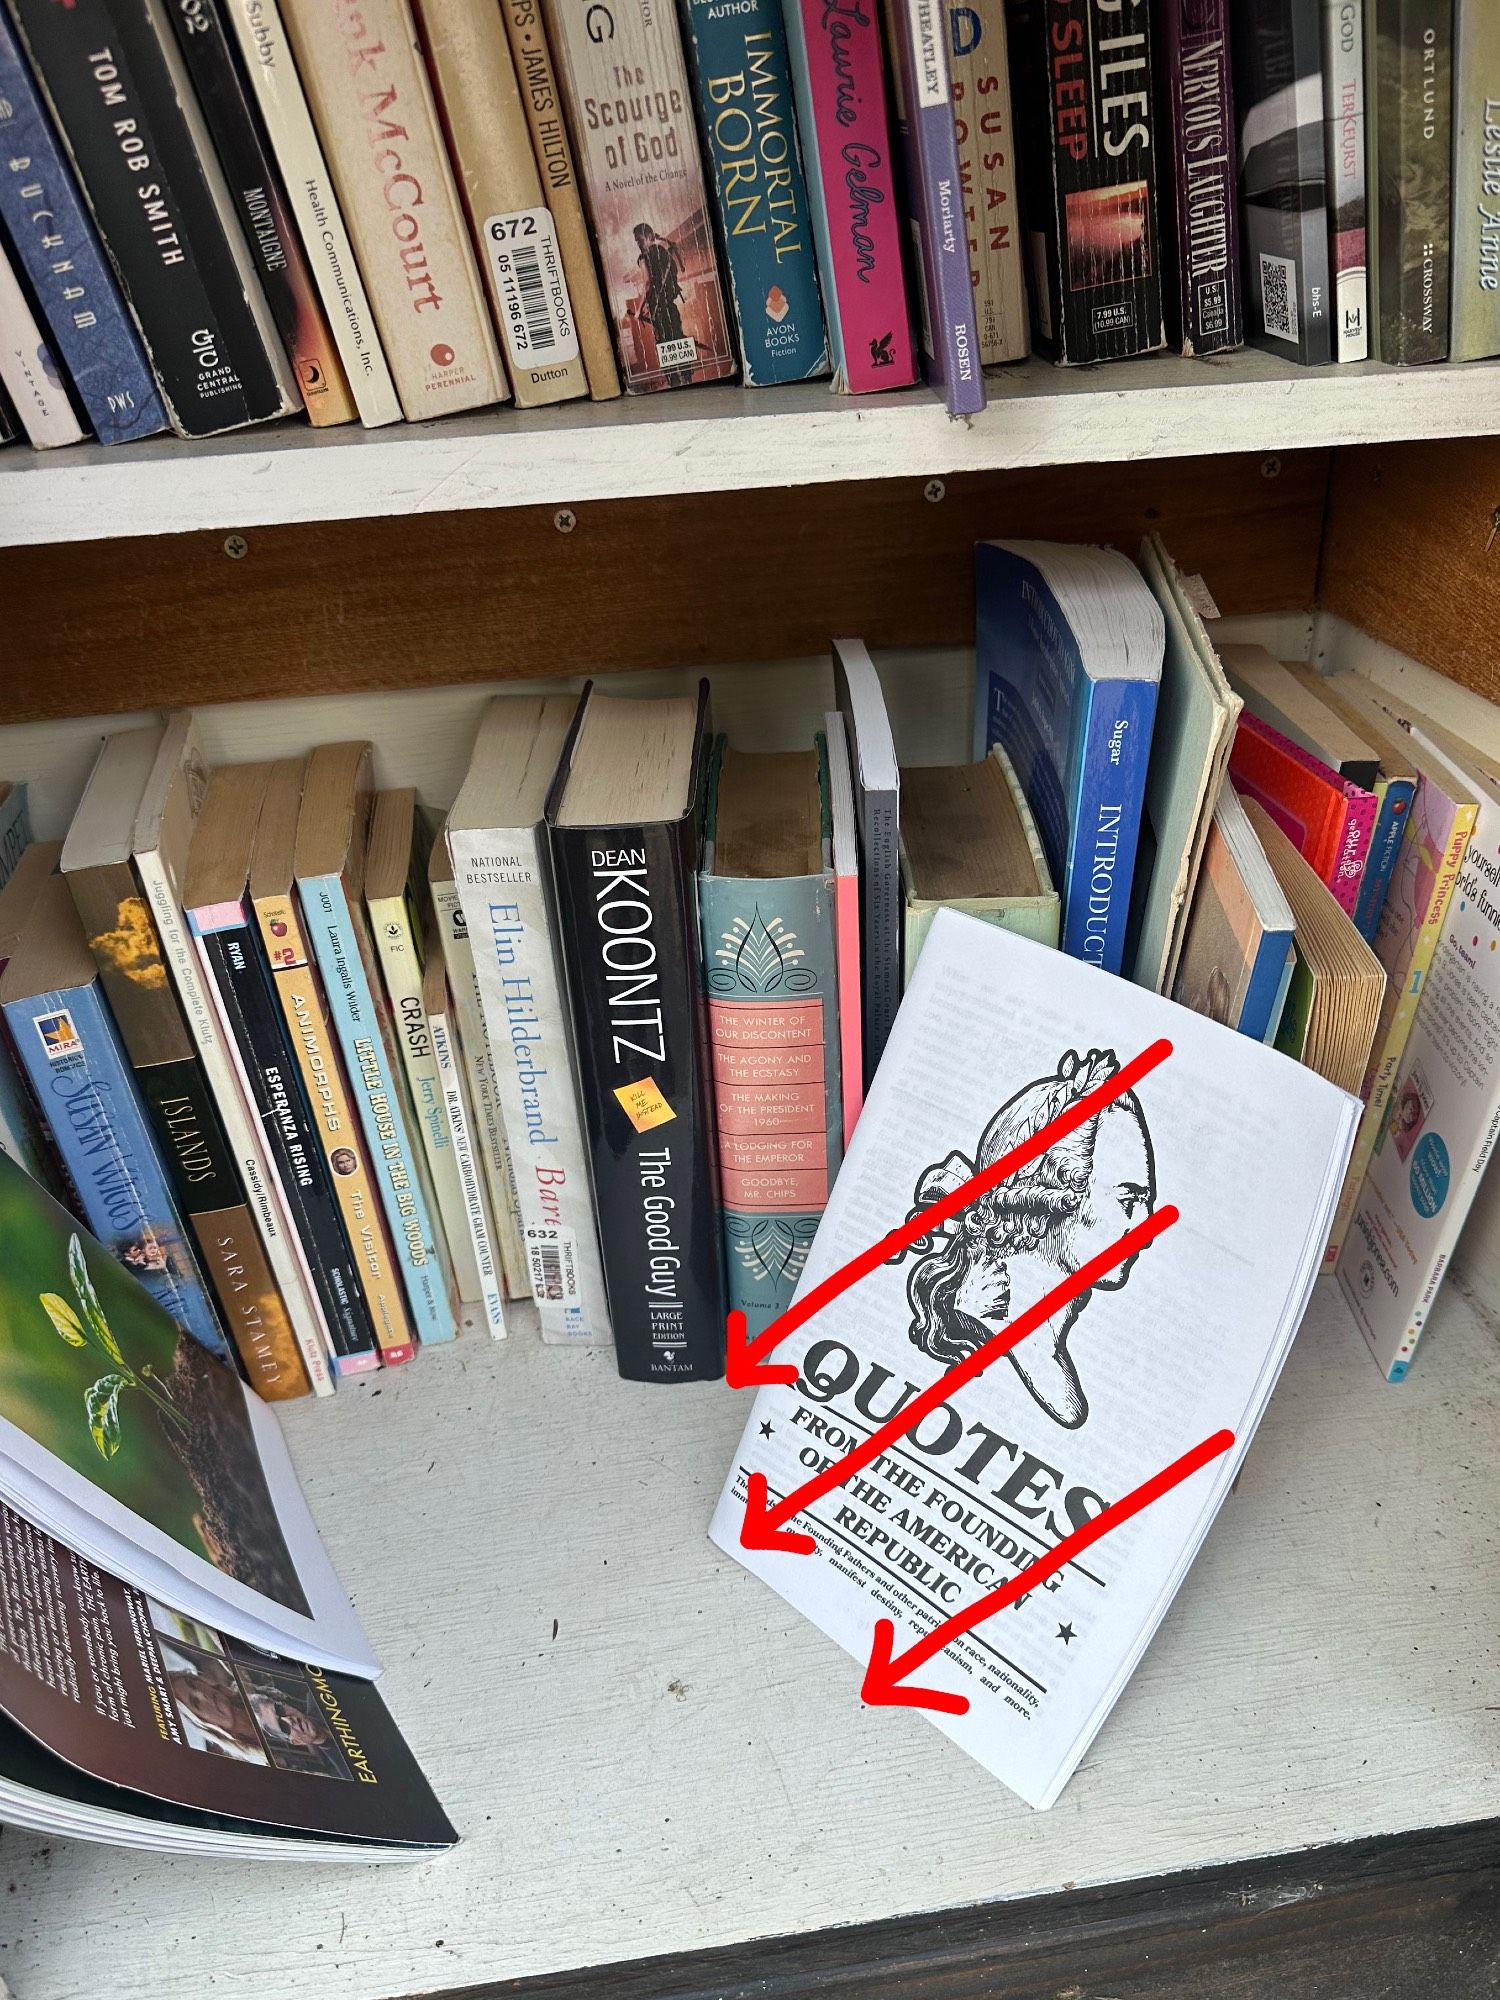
(1066,1634)
(765,1430)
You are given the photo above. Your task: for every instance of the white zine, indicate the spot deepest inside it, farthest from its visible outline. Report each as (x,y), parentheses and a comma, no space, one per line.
(995,1037)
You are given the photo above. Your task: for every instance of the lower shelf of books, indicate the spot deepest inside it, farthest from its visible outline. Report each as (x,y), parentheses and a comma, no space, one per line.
(645,1752)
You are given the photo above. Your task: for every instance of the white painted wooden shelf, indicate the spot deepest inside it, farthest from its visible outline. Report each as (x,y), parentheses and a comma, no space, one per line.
(722,438)
(647,1752)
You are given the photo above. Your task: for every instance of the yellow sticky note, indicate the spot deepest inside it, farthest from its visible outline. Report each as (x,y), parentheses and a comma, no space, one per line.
(643,1104)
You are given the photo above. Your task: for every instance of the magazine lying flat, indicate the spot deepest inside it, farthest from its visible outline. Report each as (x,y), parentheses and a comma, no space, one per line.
(125,1439)
(123,1720)
(995,1037)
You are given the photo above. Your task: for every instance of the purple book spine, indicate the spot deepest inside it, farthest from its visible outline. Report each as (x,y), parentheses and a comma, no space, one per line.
(950,326)
(1201,233)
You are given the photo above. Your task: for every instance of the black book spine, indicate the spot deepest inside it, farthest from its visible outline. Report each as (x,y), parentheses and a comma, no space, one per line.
(1089,136)
(10,423)
(1278,100)
(1200,181)
(112,92)
(628,908)
(280,1102)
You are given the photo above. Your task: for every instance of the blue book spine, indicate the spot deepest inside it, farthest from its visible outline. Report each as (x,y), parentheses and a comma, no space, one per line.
(338,949)
(60,254)
(1108,785)
(1380,863)
(742,85)
(71,1051)
(1260,1012)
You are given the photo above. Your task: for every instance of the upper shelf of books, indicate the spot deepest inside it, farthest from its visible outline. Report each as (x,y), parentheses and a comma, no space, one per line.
(720,438)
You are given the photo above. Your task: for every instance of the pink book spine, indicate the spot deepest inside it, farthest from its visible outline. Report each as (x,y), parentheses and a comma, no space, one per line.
(1360,810)
(837,47)
(851,1042)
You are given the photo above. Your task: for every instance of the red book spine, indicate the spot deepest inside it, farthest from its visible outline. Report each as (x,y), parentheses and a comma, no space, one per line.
(1328,820)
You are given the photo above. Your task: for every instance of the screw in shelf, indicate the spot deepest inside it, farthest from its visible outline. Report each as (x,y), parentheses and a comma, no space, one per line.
(934,491)
(236,547)
(565,520)
(1270,468)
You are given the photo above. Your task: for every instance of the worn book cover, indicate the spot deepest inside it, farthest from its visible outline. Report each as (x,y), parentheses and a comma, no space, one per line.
(373,106)
(1475,332)
(742,88)
(1200,185)
(979,64)
(114,83)
(56,245)
(1089,146)
(1410,86)
(1236,960)
(626,86)
(1345,144)
(969,842)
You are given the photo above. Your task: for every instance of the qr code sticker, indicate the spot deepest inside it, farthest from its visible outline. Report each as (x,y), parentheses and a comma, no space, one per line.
(1278,291)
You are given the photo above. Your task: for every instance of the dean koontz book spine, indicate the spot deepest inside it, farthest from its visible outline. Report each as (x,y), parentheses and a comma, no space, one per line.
(923,95)
(189,1132)
(56,246)
(1410,61)
(1344,131)
(742,85)
(71,1052)
(375,114)
(628,899)
(844,117)
(272,1083)
(1089,144)
(309,191)
(29,369)
(255,189)
(1200,229)
(501,877)
(344,955)
(625,81)
(305,1012)
(110,83)
(1475,332)
(979,63)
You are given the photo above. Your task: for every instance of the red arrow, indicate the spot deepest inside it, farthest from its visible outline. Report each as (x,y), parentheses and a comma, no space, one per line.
(742,1367)
(762,1527)
(884,1682)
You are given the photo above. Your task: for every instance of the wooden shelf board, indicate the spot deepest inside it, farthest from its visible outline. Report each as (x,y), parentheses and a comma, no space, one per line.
(647,1752)
(724,439)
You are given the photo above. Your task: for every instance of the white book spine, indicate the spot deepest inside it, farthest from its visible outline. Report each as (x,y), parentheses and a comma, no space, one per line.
(1344,147)
(275,1229)
(309,191)
(459,1129)
(501,880)
(28,370)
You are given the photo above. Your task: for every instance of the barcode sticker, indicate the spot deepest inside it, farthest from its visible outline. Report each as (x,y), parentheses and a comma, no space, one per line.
(536,315)
(552,1255)
(1278,292)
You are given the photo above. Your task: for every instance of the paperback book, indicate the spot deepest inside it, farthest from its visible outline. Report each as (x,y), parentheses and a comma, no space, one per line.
(1475,248)
(1344,31)
(1327,819)
(1409,56)
(979,63)
(1200,190)
(1237,955)
(29,369)
(969,842)
(876,781)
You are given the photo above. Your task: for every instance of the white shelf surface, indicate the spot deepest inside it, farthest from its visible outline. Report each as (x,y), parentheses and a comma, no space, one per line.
(719,439)
(647,1752)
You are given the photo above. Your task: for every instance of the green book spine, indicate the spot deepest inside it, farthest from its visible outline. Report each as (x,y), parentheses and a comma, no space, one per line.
(1413,106)
(1476,181)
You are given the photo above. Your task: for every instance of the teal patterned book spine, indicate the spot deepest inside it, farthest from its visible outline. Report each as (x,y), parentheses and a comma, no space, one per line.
(773,1009)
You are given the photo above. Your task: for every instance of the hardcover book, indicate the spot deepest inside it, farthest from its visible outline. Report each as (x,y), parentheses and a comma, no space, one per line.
(979,64)
(844,829)
(55,244)
(923,101)
(876,781)
(1200,227)
(843,116)
(625,818)
(554,158)
(742,89)
(308,187)
(1443,1115)
(1237,953)
(61,1028)
(767,896)
(163,834)
(968,842)
(229,113)
(190,1135)
(1475,248)
(1345,148)
(515,238)
(29,369)
(371,101)
(497,841)
(216,903)
(438,1004)
(1020,1454)
(1278,89)
(1410,95)
(1328,820)
(332,829)
(1089,143)
(1069,659)
(304,1009)
(625,81)
(115,85)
